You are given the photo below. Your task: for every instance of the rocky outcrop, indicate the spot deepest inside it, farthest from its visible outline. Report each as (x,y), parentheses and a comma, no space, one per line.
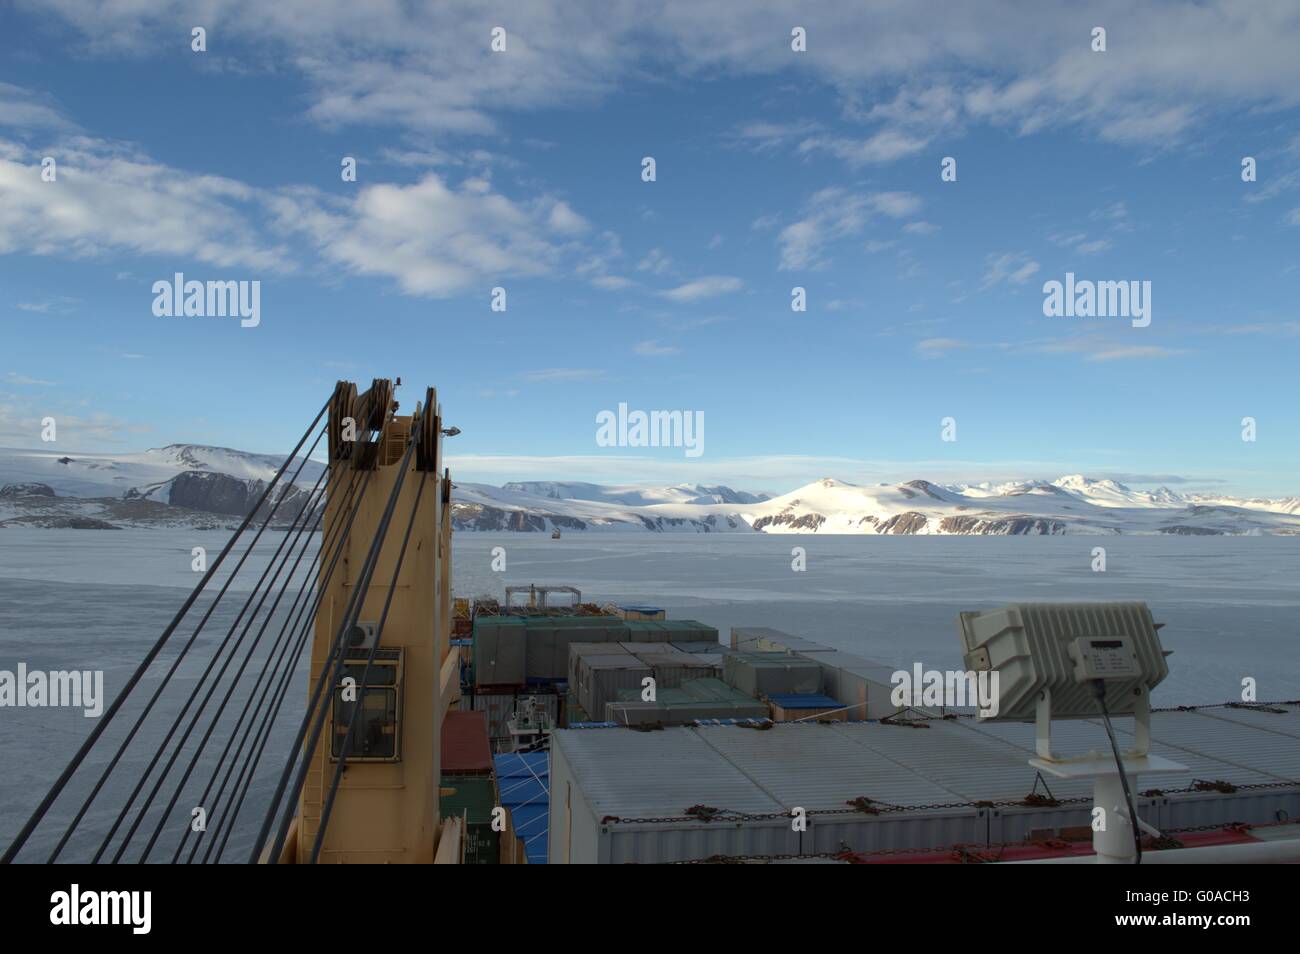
(788,521)
(1002,526)
(61,523)
(473,516)
(909,522)
(30,489)
(224,495)
(925,487)
(214,493)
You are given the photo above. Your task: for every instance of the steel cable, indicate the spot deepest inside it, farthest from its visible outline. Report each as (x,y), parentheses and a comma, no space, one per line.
(102,724)
(260,745)
(286,547)
(293,618)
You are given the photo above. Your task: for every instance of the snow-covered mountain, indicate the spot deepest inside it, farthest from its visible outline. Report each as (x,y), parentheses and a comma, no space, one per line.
(177,485)
(193,485)
(631,495)
(1072,504)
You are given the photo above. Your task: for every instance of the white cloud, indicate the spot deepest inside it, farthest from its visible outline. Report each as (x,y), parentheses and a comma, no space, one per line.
(653,349)
(655,262)
(936,347)
(20,426)
(108,199)
(13,377)
(920,228)
(885,146)
(27,109)
(432,237)
(425,65)
(1014,268)
(833,214)
(1091,248)
(702,288)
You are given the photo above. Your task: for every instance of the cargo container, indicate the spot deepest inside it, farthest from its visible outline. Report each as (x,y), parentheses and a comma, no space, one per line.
(853,681)
(645,631)
(548,641)
(699,646)
(607,785)
(681,706)
(639,611)
(765,674)
(499,651)
(601,675)
(807,707)
(622,796)
(578,651)
(465,747)
(764,639)
(472,797)
(680,630)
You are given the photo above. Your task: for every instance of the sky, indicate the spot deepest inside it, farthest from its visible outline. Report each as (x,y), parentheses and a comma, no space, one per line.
(774,168)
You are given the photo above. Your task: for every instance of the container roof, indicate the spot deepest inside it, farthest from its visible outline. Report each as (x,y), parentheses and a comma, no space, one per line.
(821,767)
(523,780)
(465,746)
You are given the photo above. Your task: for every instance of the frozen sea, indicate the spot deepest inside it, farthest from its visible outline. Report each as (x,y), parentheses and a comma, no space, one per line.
(78,599)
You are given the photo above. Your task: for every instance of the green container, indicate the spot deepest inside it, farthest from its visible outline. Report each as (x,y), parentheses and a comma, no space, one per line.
(474,796)
(482,845)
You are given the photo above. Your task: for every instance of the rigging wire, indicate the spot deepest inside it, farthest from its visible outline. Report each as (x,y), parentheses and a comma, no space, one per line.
(265,678)
(126,808)
(102,724)
(260,746)
(226,697)
(144,714)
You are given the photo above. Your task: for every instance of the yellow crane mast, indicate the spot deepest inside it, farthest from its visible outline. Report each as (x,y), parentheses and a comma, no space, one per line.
(393,677)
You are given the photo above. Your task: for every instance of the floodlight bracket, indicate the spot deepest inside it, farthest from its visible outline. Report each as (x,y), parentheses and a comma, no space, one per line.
(1112,829)
(1141,726)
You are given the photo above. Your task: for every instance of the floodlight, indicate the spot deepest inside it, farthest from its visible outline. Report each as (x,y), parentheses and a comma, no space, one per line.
(1050,656)
(1078,661)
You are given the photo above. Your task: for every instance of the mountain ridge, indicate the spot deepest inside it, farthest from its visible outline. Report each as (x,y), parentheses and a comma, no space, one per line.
(207,487)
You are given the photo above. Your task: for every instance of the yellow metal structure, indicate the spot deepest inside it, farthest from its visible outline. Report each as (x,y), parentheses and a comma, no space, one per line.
(385,811)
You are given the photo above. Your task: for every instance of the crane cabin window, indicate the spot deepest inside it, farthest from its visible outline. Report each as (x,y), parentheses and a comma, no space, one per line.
(377,734)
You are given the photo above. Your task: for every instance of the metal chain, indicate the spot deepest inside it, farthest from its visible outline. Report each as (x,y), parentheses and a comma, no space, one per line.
(973,853)
(863,805)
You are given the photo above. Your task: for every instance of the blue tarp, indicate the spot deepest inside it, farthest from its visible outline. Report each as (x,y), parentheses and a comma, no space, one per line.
(524,781)
(805,700)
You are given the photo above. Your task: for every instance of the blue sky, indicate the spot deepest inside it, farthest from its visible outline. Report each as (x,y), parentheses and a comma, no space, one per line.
(522,170)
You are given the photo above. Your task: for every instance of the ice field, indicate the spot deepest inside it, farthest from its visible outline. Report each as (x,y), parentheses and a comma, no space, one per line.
(90,599)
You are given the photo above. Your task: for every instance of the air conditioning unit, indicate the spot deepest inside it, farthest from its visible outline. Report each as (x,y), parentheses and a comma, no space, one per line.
(361,636)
